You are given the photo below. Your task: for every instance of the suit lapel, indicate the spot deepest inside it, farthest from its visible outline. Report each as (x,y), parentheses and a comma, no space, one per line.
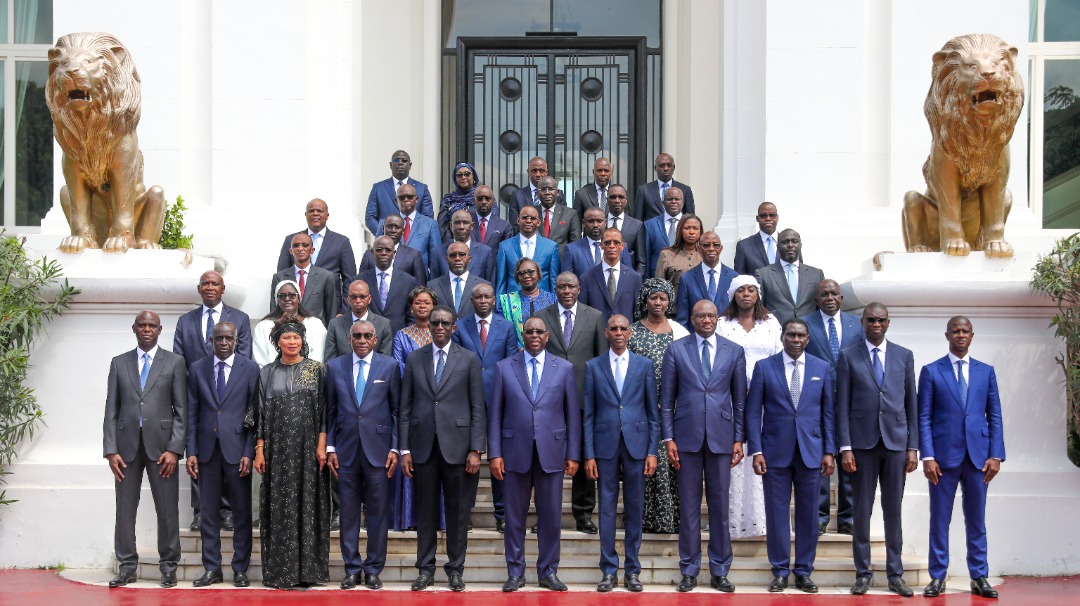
(155,370)
(695,358)
(948,376)
(864,357)
(210,376)
(132,364)
(473,334)
(448,366)
(611,376)
(522,375)
(428,356)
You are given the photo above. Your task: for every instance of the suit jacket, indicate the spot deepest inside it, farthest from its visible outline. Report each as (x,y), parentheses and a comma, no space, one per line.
(633,415)
(851,333)
(162,406)
(866,411)
(335,256)
(655,241)
(498,229)
(502,343)
(424,238)
(586,342)
(773,427)
(633,233)
(546,256)
(750,254)
(647,202)
(693,287)
(523,197)
(585,198)
(777,296)
(594,291)
(337,334)
(212,419)
(397,310)
(382,202)
(481,263)
(322,293)
(578,258)
(950,428)
(444,290)
(188,340)
(565,225)
(699,414)
(408,260)
(367,429)
(454,412)
(552,421)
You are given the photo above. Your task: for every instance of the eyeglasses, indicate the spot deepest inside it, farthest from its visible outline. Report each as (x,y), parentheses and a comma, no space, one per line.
(287,296)
(463,173)
(705,316)
(399,160)
(534,331)
(355,297)
(406,197)
(872,320)
(524,273)
(618,329)
(456,255)
(528,218)
(485,197)
(366,336)
(436,323)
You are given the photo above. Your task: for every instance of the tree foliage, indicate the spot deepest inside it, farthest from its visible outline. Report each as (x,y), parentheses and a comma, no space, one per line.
(172,233)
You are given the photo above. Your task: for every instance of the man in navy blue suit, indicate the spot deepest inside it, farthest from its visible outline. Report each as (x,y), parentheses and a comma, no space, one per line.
(790,422)
(534,437)
(649,197)
(528,243)
(481,256)
(361,441)
(832,331)
(702,390)
(408,260)
(491,229)
(455,288)
(388,285)
(530,194)
(381,202)
(220,449)
(757,251)
(330,250)
(583,254)
(622,430)
(419,232)
(633,230)
(611,287)
(960,432)
(660,230)
(708,280)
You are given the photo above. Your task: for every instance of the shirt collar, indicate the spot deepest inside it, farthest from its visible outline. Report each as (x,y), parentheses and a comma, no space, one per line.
(464,278)
(881,348)
(612,357)
(705,270)
(445,350)
(711,340)
(825,318)
(523,239)
(572,309)
(297,268)
(321,232)
(366,359)
(228,361)
(538,357)
(411,216)
(953,359)
(217,309)
(668,218)
(486,318)
(153,352)
(670,183)
(607,267)
(361,319)
(788,359)
(765,237)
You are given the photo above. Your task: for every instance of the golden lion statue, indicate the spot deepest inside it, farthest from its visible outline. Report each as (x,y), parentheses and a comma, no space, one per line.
(94,98)
(974,101)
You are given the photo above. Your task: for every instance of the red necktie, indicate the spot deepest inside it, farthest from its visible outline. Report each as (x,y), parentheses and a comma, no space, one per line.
(405,234)
(302,284)
(483,334)
(483,230)
(547,223)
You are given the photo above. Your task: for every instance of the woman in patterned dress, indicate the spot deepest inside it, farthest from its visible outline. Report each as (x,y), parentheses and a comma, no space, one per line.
(521,304)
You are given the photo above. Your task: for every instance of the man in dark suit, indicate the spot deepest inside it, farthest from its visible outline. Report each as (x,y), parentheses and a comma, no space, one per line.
(330,250)
(491,229)
(611,287)
(831,331)
(534,432)
(577,336)
(481,256)
(145,419)
(702,390)
(789,286)
(408,260)
(622,430)
(557,222)
(318,287)
(419,232)
(381,202)
(660,230)
(633,230)
(528,243)
(757,251)
(362,400)
(492,339)
(595,194)
(443,429)
(878,435)
(455,289)
(530,194)
(709,280)
(792,394)
(584,253)
(960,433)
(338,342)
(389,286)
(648,202)
(220,449)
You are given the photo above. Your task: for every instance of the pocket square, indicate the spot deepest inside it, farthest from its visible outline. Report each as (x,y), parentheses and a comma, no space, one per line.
(379,381)
(815,378)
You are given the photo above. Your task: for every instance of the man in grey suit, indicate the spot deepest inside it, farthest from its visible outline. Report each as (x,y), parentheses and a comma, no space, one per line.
(757,251)
(455,289)
(595,194)
(337,334)
(318,287)
(877,432)
(557,222)
(145,418)
(789,286)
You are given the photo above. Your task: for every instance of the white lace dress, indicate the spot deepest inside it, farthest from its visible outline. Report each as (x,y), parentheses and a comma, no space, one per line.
(747,498)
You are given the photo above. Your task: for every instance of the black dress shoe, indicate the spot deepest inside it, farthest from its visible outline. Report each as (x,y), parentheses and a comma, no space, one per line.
(168,579)
(500,526)
(845,528)
(553,583)
(982,587)
(821,527)
(721,583)
(535,528)
(209,578)
(350,581)
(227,523)
(686,583)
(586,525)
(240,579)
(196,524)
(456,582)
(633,583)
(934,589)
(123,578)
(372,581)
(607,583)
(423,582)
(335,522)
(861,586)
(513,584)
(899,587)
(778,584)
(804,583)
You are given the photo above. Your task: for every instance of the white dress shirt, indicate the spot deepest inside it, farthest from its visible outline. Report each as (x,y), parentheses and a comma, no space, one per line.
(217,317)
(435,356)
(152,353)
(607,272)
(531,247)
(562,315)
(316,243)
(540,357)
(624,363)
(228,368)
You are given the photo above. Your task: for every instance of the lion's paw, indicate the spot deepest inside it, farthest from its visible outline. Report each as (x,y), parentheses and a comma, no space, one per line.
(956,248)
(998,249)
(146,244)
(74,244)
(116,244)
(920,248)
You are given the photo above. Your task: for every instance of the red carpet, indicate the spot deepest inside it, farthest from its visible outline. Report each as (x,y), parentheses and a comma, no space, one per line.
(45,588)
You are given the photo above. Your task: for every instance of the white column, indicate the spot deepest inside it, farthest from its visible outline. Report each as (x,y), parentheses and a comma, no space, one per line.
(196,103)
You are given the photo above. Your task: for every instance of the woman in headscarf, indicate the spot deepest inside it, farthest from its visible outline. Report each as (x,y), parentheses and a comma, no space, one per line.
(650,337)
(521,304)
(465,180)
(287,302)
(676,259)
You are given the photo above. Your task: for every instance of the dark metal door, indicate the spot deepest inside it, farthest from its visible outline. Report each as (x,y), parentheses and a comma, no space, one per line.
(566,100)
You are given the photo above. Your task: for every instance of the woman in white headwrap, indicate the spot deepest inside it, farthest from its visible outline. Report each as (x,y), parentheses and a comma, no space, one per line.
(287,302)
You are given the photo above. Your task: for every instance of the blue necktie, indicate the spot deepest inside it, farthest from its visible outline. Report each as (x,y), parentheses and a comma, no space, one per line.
(879,370)
(620,375)
(221,380)
(596,253)
(568,328)
(770,249)
(209,331)
(792,282)
(315,248)
(961,381)
(457,293)
(706,360)
(834,341)
(535,381)
(439,368)
(145,372)
(712,285)
(361,384)
(525,246)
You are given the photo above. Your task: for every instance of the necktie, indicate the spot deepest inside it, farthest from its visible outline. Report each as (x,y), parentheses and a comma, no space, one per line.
(547,223)
(671,231)
(706,361)
(712,285)
(536,197)
(361,384)
(620,375)
(399,184)
(315,247)
(796,384)
(439,367)
(303,283)
(568,327)
(792,282)
(834,341)
(483,230)
(961,381)
(596,253)
(408,228)
(663,190)
(770,249)
(457,293)
(384,289)
(534,382)
(611,285)
(221,380)
(615,222)
(209,331)
(603,199)
(526,249)
(879,370)
(145,372)
(483,334)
